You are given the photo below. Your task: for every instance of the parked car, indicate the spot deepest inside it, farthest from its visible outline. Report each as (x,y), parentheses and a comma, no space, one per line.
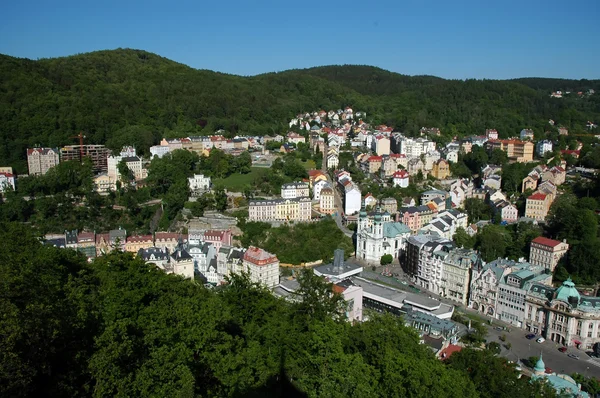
(548,370)
(499,328)
(562,349)
(573,356)
(541,340)
(530,336)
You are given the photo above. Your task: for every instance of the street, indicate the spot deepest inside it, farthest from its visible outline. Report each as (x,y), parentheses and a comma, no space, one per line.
(559,362)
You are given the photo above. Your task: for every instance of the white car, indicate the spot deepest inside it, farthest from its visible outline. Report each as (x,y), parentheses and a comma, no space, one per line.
(541,340)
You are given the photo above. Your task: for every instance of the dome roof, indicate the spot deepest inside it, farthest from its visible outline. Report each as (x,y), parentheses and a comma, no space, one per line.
(540,366)
(566,291)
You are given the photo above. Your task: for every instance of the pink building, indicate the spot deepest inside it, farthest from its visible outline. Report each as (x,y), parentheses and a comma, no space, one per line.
(218,238)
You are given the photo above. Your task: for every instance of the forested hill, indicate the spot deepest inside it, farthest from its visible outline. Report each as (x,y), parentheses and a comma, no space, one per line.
(132,96)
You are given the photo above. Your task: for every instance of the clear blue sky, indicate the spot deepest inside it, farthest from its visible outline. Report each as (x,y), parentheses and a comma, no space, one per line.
(452,39)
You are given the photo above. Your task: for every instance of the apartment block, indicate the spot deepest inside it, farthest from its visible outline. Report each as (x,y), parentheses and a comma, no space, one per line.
(40,160)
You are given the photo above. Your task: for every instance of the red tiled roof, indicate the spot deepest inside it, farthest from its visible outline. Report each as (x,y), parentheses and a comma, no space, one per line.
(401,174)
(448,351)
(338,289)
(546,241)
(537,196)
(7,175)
(375,159)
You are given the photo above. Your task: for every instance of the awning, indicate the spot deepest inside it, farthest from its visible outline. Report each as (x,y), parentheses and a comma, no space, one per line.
(576,341)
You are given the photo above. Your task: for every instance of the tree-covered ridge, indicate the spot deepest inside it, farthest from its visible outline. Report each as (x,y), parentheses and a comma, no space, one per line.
(128,96)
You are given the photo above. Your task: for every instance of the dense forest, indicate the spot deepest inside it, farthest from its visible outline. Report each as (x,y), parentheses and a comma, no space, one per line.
(134,97)
(118,327)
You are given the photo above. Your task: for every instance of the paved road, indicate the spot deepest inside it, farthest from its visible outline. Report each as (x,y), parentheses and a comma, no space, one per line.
(559,362)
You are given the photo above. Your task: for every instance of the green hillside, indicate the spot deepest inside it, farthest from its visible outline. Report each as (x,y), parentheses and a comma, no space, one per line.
(132,96)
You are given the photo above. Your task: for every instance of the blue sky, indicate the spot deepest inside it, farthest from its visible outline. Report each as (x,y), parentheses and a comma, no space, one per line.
(451,39)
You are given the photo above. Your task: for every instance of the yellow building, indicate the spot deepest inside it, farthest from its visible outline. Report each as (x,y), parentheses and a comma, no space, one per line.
(135,243)
(516,150)
(537,206)
(441,169)
(298,209)
(327,201)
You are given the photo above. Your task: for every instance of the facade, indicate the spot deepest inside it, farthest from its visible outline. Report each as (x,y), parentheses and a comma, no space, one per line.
(317,187)
(546,252)
(133,244)
(377,235)
(537,206)
(526,134)
(529,183)
(441,169)
(400,179)
(159,150)
(298,209)
(516,150)
(485,282)
(262,266)
(327,200)
(457,267)
(416,217)
(217,238)
(423,260)
(199,183)
(103,183)
(7,182)
(352,199)
(389,205)
(155,255)
(563,315)
(381,145)
(543,147)
(40,160)
(294,190)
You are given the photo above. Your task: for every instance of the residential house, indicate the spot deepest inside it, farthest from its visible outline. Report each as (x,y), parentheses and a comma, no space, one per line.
(516,150)
(400,179)
(167,240)
(546,252)
(414,166)
(218,238)
(315,176)
(295,138)
(491,134)
(417,217)
(154,255)
(526,134)
(543,147)
(430,195)
(40,160)
(181,262)
(262,266)
(390,205)
(352,199)
(134,244)
(373,164)
(327,200)
(537,206)
(294,190)
(7,182)
(441,169)
(199,183)
(333,161)
(370,201)
(529,183)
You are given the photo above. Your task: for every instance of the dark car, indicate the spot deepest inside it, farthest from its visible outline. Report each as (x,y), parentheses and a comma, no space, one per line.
(530,336)
(562,349)
(573,356)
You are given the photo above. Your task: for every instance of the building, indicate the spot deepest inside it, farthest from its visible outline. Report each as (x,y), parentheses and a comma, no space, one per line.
(98,154)
(423,260)
(484,295)
(262,266)
(317,187)
(159,150)
(389,205)
(154,255)
(537,206)
(199,183)
(491,134)
(295,138)
(217,238)
(181,262)
(526,134)
(543,147)
(381,145)
(416,217)
(377,235)
(167,240)
(373,164)
(294,190)
(333,161)
(352,198)
(512,290)
(441,169)
(134,244)
(400,179)
(530,182)
(508,212)
(7,182)
(103,183)
(327,200)
(315,176)
(40,160)
(563,315)
(298,209)
(457,267)
(353,296)
(546,252)
(516,150)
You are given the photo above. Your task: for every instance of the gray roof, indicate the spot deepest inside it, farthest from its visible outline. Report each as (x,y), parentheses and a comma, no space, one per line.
(159,254)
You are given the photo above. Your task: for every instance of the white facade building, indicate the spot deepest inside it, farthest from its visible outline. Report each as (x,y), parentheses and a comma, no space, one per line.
(294,190)
(262,266)
(7,182)
(377,235)
(543,147)
(199,183)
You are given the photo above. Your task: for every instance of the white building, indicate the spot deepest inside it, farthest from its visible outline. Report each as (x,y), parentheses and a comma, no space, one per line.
(199,183)
(333,161)
(526,134)
(352,199)
(377,235)
(7,182)
(262,266)
(381,145)
(294,190)
(400,179)
(317,187)
(159,150)
(543,147)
